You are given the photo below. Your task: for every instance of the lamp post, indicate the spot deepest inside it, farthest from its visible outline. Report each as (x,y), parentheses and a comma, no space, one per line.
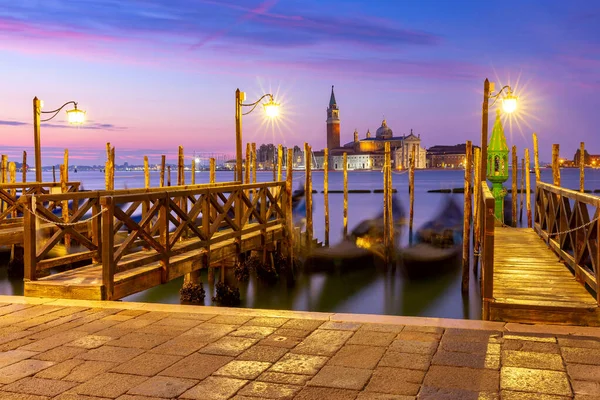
(509,104)
(74,116)
(271,110)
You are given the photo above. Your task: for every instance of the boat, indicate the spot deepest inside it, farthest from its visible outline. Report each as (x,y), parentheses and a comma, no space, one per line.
(438,244)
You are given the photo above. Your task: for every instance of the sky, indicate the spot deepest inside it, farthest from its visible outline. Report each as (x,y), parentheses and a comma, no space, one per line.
(154,74)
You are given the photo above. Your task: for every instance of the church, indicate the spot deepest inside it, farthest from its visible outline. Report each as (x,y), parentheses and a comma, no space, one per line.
(367,153)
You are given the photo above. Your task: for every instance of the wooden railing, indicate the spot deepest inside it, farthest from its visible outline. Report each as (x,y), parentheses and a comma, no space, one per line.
(140,227)
(562,219)
(11,209)
(486,257)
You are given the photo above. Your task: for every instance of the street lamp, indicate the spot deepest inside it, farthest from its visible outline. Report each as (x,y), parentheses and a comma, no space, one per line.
(74,116)
(271,110)
(509,105)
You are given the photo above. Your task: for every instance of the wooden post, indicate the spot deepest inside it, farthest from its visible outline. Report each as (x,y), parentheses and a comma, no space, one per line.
(528,188)
(253,163)
(308,188)
(54,174)
(514,192)
(212,173)
(345,162)
(168,175)
(163,161)
(390,218)
(213,211)
(279,161)
(476,203)
(288,207)
(112,168)
(193,180)
(581,166)
(12,172)
(326,193)
(467,220)
(247,165)
(411,188)
(555,164)
(4,169)
(108,244)
(146,173)
(29,241)
(24,167)
(536,158)
(106,168)
(386,204)
(66,162)
(180,167)
(522,195)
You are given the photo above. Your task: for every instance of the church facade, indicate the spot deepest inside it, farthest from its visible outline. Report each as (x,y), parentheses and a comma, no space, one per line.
(367,153)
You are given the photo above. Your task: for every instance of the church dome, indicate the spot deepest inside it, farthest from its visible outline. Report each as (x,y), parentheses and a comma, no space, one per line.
(384,131)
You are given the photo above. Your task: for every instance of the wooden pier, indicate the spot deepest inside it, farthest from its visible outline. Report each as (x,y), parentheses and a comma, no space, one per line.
(548,274)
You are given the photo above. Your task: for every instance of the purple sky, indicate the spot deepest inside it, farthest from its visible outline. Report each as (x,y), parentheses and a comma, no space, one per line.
(153,75)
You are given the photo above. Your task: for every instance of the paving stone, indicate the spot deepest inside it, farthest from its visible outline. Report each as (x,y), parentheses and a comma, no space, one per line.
(472,335)
(323,342)
(76,370)
(411,346)
(476,380)
(524,345)
(357,356)
(427,329)
(53,341)
(163,330)
(470,347)
(15,344)
(243,369)
(393,358)
(155,315)
(22,369)
(583,372)
(230,319)
(214,388)
(395,381)
(267,390)
(13,356)
(109,385)
(510,395)
(297,333)
(179,346)
(526,359)
(299,364)
(90,341)
(288,342)
(419,336)
(163,386)
(531,338)
(140,340)
(133,313)
(341,326)
(196,366)
(263,353)
(38,386)
(118,317)
(59,354)
(110,354)
(585,387)
(579,355)
(228,346)
(191,315)
(341,377)
(320,393)
(372,338)
(585,343)
(21,396)
(208,332)
(436,393)
(273,322)
(95,326)
(114,332)
(147,364)
(255,332)
(535,380)
(382,396)
(475,360)
(136,397)
(175,321)
(286,379)
(303,324)
(382,328)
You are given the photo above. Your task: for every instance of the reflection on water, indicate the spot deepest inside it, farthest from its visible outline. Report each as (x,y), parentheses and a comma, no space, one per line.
(368,290)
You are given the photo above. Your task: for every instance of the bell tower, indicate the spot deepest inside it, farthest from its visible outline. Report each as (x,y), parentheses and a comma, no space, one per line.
(333,123)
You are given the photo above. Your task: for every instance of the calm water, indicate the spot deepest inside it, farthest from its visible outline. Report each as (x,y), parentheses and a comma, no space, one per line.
(366,291)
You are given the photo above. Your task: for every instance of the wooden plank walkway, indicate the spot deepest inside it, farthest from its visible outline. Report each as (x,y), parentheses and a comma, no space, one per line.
(531,285)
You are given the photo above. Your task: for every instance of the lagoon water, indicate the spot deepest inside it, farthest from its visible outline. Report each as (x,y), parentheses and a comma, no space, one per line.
(366,291)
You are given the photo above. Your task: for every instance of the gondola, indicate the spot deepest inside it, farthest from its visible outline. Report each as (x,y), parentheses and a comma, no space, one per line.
(438,244)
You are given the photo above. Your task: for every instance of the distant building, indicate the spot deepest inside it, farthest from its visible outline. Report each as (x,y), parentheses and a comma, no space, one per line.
(367,153)
(441,156)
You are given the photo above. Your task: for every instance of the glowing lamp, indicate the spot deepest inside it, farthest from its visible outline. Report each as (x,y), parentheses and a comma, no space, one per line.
(197,160)
(76,116)
(509,103)
(271,109)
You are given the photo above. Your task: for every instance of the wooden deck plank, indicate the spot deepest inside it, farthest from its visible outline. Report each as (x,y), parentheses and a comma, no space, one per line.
(532,285)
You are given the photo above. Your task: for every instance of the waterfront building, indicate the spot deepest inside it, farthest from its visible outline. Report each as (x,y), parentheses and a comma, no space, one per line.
(367,153)
(441,156)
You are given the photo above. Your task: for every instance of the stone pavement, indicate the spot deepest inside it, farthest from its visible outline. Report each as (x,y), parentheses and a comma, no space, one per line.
(66,350)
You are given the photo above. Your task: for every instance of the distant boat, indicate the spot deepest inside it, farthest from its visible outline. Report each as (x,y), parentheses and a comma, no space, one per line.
(75,170)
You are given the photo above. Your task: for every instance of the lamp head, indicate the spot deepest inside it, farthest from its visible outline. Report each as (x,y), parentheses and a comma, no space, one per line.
(197,160)
(271,109)
(76,116)
(509,103)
